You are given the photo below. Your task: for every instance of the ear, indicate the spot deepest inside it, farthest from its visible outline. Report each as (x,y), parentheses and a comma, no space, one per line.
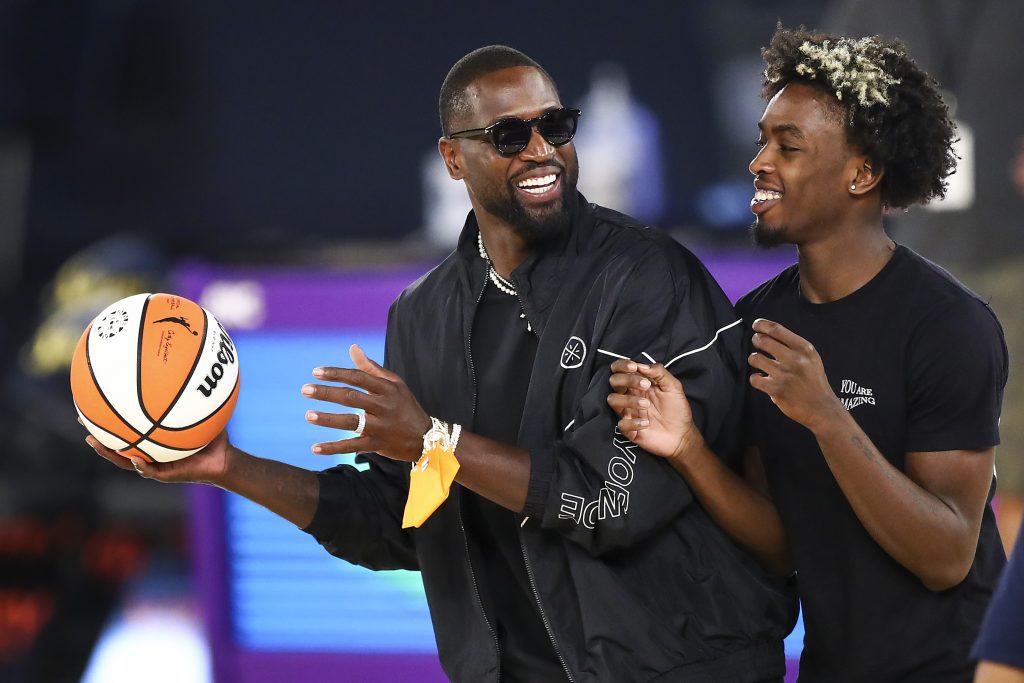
(448,150)
(865,177)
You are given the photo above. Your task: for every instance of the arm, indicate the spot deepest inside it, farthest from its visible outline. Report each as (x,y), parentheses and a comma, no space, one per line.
(355,515)
(655,414)
(927,518)
(288,491)
(993,672)
(396,423)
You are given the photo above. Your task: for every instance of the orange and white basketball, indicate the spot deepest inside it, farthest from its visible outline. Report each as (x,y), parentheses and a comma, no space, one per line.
(155,376)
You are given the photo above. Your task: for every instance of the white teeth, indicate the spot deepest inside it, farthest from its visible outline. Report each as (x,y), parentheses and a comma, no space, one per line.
(537,185)
(765,195)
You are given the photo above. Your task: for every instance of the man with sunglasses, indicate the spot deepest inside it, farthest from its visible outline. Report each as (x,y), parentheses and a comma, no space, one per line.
(562,552)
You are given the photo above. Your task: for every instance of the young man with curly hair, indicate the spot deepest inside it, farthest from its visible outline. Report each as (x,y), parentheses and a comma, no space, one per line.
(877,377)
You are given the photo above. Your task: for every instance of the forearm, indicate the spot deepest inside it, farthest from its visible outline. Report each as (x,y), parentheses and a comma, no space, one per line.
(747,516)
(286,490)
(993,672)
(494,470)
(916,528)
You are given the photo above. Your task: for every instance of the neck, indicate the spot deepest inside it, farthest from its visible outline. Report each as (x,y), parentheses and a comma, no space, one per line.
(843,262)
(505,247)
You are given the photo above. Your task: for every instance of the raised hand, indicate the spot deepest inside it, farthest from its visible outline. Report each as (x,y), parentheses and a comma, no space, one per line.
(394,421)
(653,410)
(792,374)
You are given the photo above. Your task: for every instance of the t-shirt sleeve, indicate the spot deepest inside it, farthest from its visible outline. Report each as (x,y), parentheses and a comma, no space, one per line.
(1002,632)
(957,371)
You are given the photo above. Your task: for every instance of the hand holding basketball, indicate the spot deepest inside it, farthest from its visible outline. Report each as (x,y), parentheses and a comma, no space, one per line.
(209,465)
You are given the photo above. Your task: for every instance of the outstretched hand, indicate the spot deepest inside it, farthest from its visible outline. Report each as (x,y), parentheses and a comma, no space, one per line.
(208,465)
(652,406)
(394,421)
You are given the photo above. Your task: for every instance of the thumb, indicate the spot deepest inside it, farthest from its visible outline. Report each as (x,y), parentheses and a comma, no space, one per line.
(364,363)
(662,378)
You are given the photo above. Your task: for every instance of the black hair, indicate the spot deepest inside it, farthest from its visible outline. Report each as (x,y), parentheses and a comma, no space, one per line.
(892,110)
(452,102)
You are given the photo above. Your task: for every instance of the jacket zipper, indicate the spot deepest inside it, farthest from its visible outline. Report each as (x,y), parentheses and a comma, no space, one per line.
(465,537)
(526,558)
(543,614)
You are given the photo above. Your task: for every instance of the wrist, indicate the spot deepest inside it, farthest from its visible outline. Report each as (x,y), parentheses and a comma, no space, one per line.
(830,416)
(689,447)
(232,469)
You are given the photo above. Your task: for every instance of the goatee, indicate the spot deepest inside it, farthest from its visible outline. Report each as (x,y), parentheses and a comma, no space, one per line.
(766,237)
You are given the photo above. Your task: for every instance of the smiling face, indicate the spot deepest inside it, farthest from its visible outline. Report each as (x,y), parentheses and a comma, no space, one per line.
(531,191)
(804,168)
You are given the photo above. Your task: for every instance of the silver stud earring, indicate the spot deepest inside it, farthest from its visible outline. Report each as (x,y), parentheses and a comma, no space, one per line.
(853,187)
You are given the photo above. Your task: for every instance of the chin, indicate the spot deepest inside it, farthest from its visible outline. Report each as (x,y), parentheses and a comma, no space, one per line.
(767,236)
(539,225)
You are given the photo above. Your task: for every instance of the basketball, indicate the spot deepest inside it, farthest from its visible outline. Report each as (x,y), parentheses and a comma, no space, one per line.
(155,376)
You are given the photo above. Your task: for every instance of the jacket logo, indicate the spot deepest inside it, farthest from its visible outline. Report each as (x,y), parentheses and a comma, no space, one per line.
(574,353)
(852,395)
(612,498)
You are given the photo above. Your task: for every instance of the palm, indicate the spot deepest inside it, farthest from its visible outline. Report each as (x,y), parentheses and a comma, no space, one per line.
(207,465)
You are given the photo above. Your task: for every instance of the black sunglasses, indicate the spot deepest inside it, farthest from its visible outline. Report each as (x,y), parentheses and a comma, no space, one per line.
(511,136)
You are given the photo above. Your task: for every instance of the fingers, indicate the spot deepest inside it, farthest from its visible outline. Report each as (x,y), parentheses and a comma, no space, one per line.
(145,469)
(346,421)
(626,365)
(630,427)
(355,378)
(108,454)
(346,396)
(148,470)
(364,363)
(761,362)
(629,406)
(782,335)
(623,382)
(356,445)
(769,345)
(661,377)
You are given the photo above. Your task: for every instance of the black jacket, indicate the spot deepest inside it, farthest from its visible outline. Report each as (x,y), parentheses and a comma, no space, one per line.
(633,581)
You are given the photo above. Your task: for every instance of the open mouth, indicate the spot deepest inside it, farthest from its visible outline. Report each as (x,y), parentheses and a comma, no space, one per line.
(764,200)
(539,185)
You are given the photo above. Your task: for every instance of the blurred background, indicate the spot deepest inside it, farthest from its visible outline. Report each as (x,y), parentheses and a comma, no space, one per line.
(277,161)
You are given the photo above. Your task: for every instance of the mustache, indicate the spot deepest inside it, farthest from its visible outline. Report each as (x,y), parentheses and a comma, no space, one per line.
(533,166)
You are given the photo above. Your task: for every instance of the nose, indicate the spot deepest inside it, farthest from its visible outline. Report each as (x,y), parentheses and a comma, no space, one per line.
(761,163)
(537,147)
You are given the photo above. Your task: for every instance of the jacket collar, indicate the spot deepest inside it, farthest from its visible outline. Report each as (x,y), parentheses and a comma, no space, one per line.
(538,278)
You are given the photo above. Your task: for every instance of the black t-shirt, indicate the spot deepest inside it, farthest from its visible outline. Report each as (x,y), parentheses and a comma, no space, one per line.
(503,355)
(920,363)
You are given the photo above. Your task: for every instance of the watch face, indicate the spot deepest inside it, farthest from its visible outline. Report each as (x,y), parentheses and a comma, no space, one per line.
(111,323)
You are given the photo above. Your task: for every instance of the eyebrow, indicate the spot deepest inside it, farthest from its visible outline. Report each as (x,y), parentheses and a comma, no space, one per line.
(790,128)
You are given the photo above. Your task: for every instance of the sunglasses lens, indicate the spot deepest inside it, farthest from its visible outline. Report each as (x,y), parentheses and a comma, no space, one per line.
(558,127)
(512,136)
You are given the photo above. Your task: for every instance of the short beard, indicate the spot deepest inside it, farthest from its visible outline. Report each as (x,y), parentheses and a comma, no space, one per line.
(765,237)
(537,229)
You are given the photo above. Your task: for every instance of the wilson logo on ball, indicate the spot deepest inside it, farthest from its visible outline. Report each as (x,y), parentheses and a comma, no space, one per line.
(225,356)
